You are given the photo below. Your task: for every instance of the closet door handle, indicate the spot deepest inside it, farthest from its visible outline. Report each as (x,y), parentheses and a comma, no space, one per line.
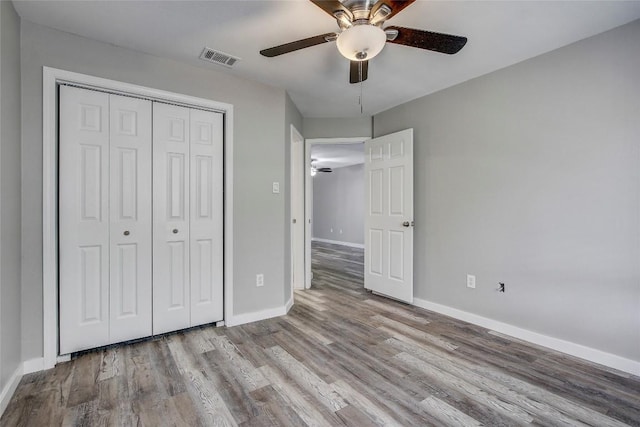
(126,233)
(175,231)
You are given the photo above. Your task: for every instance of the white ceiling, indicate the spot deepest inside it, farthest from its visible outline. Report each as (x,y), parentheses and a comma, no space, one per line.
(337,155)
(500,33)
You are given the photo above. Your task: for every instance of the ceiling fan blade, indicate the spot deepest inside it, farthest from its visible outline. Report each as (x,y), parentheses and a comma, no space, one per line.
(356,73)
(437,42)
(332,6)
(297,45)
(396,7)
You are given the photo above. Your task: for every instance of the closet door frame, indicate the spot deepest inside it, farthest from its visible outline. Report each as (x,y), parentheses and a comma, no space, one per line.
(52,79)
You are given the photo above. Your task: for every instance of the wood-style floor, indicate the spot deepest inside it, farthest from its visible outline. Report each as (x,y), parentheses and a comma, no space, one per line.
(341,357)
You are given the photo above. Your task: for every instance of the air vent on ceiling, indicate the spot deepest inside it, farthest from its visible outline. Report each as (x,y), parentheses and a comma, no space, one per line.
(218,57)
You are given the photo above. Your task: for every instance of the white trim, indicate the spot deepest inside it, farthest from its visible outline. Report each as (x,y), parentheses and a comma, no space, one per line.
(2,394)
(256,316)
(288,305)
(33,365)
(308,196)
(10,388)
(578,350)
(49,218)
(51,77)
(228,213)
(337,242)
(63,358)
(295,135)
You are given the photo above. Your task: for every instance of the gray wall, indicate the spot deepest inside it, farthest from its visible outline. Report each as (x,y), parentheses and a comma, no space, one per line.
(293,117)
(259,146)
(531,176)
(338,204)
(10,332)
(337,128)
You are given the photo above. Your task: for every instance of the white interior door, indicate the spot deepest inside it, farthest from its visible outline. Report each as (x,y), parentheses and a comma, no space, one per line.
(388,236)
(83,219)
(171,299)
(206,238)
(297,210)
(130,218)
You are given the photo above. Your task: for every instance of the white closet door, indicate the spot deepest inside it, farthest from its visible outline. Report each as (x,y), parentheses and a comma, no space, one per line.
(206,216)
(83,219)
(171,301)
(130,215)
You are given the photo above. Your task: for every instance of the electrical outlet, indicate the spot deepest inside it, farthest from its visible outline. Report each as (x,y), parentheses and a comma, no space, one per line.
(341,231)
(259,279)
(332,230)
(471,281)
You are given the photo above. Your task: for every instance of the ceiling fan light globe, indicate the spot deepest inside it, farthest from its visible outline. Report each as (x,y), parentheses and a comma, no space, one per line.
(361,42)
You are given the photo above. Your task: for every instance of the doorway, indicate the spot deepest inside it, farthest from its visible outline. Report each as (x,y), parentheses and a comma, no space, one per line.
(334,154)
(388,224)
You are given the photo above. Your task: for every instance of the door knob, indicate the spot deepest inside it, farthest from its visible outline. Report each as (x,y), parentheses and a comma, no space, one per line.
(126,233)
(406,224)
(175,231)
(294,220)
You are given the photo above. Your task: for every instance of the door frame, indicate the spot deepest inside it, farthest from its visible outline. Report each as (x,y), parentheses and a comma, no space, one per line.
(308,195)
(51,78)
(296,197)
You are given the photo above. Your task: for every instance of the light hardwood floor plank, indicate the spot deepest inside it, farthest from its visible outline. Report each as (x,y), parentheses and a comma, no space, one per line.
(293,398)
(211,406)
(447,413)
(306,379)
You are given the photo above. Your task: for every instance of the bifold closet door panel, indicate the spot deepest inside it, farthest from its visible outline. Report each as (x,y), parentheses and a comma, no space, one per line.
(130,214)
(83,198)
(171,298)
(206,216)
(140,218)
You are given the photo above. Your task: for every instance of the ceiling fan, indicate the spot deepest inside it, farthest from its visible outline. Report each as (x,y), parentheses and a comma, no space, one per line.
(361,36)
(315,169)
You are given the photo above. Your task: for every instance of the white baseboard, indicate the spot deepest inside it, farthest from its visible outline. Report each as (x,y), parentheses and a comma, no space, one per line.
(10,388)
(337,242)
(255,316)
(288,305)
(33,365)
(578,350)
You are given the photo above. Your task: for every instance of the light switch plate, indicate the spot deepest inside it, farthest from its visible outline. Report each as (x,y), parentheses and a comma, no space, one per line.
(275,187)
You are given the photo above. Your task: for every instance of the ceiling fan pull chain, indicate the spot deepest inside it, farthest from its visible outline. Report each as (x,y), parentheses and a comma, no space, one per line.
(361,103)
(360,78)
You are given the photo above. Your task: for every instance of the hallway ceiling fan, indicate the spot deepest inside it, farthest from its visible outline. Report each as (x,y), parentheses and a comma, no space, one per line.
(361,36)
(315,169)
